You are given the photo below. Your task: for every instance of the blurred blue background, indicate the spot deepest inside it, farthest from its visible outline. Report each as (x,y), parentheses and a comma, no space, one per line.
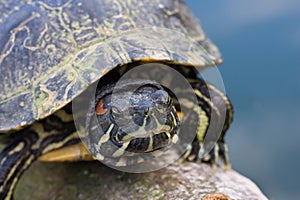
(260,43)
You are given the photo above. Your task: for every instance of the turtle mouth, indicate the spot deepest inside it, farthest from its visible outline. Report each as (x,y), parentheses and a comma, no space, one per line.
(142,138)
(135,135)
(150,143)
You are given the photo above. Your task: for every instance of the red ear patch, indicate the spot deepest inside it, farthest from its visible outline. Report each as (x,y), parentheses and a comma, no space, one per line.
(99,108)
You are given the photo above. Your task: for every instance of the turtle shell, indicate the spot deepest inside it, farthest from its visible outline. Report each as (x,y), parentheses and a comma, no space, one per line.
(51,51)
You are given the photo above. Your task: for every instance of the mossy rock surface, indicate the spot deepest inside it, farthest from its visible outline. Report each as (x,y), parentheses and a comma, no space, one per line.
(92,180)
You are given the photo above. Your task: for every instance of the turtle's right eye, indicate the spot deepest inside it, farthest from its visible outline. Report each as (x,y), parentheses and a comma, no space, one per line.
(100,108)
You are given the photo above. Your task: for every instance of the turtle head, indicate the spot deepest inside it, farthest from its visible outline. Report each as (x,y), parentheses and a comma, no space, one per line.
(139,116)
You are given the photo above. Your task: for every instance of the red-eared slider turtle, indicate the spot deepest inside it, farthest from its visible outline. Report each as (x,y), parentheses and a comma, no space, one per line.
(51,51)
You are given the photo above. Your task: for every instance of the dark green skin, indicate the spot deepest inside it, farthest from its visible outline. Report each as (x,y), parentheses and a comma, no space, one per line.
(51,51)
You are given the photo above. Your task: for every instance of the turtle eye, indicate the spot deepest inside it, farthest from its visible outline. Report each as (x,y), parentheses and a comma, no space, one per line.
(100,108)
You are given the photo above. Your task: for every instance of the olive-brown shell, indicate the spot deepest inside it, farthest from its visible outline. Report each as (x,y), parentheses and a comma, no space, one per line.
(51,51)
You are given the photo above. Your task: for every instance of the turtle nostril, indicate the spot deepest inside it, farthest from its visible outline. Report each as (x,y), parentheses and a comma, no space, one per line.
(146,112)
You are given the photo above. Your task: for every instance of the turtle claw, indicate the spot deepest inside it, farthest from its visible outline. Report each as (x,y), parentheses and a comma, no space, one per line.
(225,155)
(218,156)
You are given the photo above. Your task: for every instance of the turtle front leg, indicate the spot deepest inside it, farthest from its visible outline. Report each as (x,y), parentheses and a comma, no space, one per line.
(218,155)
(214,117)
(196,152)
(15,158)
(28,144)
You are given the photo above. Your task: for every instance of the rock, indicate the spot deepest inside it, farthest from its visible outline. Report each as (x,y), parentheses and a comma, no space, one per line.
(95,181)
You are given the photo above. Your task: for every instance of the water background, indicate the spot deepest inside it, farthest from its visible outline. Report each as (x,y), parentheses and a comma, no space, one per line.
(260,43)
